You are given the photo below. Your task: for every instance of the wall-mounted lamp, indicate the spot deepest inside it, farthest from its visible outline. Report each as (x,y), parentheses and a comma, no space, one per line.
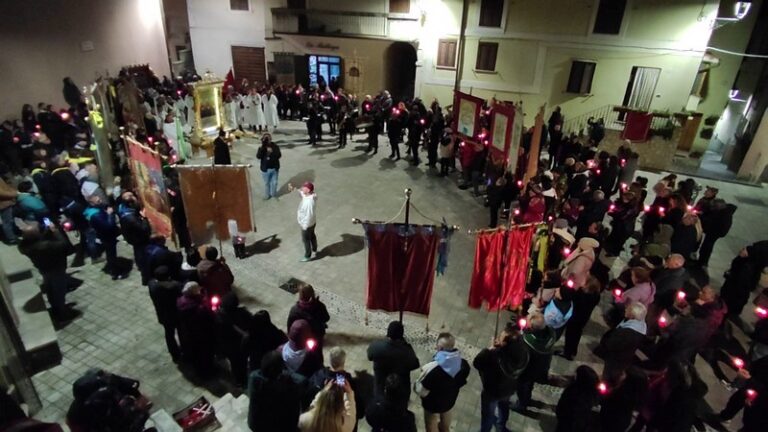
(733,93)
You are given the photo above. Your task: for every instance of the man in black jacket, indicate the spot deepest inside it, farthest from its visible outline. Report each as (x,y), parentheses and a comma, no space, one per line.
(393,355)
(499,367)
(136,231)
(715,222)
(440,384)
(48,252)
(164,293)
(269,157)
(310,308)
(617,346)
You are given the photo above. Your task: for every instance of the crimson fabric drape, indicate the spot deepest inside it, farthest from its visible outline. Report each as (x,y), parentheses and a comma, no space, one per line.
(401,267)
(637,127)
(487,272)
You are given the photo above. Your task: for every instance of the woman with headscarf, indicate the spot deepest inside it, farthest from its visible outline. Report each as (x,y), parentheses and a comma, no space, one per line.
(196,328)
(579,262)
(301,353)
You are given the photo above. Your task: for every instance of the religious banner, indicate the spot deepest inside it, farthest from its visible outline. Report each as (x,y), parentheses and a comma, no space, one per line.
(212,196)
(501,268)
(637,127)
(401,266)
(502,122)
(466,114)
(147,173)
(516,139)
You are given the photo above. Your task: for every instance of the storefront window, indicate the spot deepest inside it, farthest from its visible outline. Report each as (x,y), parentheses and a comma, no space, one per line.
(323,68)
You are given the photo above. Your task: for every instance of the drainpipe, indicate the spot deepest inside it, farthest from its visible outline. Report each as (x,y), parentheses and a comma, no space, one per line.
(460,56)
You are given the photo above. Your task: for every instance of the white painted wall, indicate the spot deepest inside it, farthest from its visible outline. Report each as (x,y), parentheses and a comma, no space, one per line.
(214,29)
(40,42)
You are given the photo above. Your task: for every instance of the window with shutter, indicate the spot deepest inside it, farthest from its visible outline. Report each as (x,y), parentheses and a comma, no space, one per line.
(491,12)
(580,78)
(400,6)
(610,14)
(238,5)
(446,53)
(486,56)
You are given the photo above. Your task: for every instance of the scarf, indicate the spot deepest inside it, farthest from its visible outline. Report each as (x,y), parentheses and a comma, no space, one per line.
(293,358)
(450,361)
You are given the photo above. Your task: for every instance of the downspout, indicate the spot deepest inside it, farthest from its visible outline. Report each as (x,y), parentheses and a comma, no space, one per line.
(460,56)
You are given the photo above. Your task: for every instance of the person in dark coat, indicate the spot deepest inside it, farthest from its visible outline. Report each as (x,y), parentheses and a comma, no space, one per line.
(685,237)
(233,323)
(395,131)
(196,329)
(301,354)
(214,274)
(415,130)
(499,367)
(672,401)
(393,355)
(440,385)
(743,275)
(263,337)
(540,339)
(585,299)
(269,162)
(755,378)
(136,231)
(495,199)
(617,346)
(310,308)
(72,203)
(165,292)
(387,413)
(716,223)
(574,409)
(596,130)
(104,222)
(274,397)
(656,210)
(624,394)
(594,211)
(48,252)
(682,340)
(669,280)
(221,154)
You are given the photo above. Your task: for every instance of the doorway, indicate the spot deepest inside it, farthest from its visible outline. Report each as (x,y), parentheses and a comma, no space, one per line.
(641,88)
(248,63)
(400,75)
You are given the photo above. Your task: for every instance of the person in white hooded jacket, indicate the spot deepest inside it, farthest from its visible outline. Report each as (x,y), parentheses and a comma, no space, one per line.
(306,218)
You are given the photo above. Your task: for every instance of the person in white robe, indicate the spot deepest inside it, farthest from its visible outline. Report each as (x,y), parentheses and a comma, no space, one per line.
(261,121)
(251,118)
(269,100)
(230,113)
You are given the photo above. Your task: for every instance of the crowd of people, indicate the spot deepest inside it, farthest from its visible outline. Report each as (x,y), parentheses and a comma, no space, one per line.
(661,304)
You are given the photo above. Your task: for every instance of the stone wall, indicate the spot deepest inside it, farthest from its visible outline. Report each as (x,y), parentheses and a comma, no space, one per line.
(655,154)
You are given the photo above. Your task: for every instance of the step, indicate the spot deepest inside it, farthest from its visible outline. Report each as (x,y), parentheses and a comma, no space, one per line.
(35,326)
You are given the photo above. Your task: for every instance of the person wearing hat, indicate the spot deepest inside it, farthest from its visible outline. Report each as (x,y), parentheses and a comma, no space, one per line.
(393,355)
(306,218)
(579,262)
(560,239)
(269,157)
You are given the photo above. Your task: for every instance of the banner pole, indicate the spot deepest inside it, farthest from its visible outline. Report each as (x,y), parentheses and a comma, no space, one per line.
(405,246)
(503,267)
(216,204)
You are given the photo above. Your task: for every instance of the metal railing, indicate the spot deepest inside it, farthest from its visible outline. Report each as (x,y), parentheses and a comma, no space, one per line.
(328,22)
(614,119)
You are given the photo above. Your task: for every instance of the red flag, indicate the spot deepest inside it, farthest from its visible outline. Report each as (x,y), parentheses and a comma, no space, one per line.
(401,267)
(229,80)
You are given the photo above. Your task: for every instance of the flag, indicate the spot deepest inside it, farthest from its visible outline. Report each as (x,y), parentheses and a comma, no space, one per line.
(229,80)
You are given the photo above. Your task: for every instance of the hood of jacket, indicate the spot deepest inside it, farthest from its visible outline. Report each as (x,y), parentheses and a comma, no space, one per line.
(636,325)
(449,361)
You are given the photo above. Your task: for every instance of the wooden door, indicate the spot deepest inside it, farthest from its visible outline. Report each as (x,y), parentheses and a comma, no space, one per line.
(248,62)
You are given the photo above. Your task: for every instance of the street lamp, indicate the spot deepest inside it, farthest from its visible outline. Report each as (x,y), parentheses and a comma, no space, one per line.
(741,9)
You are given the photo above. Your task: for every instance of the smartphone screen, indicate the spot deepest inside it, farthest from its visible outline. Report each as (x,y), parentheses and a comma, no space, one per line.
(47,222)
(340,380)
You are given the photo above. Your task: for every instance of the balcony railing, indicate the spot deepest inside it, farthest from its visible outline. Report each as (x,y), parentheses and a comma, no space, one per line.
(336,23)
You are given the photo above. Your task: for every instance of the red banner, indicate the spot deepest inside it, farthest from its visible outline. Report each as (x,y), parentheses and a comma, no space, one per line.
(147,171)
(466,115)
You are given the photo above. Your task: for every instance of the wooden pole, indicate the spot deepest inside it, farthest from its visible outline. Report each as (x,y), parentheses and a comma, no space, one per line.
(533,153)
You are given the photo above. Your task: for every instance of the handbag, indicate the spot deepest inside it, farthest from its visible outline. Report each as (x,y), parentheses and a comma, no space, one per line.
(418,388)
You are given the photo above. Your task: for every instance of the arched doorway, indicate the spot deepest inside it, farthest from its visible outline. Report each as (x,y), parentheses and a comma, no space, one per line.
(400,69)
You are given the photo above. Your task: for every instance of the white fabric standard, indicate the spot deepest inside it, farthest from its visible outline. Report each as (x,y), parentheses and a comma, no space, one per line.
(260,120)
(306,213)
(644,87)
(231,114)
(270,110)
(250,103)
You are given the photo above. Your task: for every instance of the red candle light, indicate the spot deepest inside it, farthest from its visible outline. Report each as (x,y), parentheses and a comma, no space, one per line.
(522,323)
(602,388)
(663,321)
(623,162)
(67,226)
(661,210)
(570,283)
(517,212)
(751,394)
(623,186)
(681,295)
(617,292)
(647,208)
(597,172)
(739,363)
(65,116)
(761,312)
(311,344)
(612,207)
(37,126)
(15,140)
(215,302)
(298,92)
(520,184)
(422,121)
(566,251)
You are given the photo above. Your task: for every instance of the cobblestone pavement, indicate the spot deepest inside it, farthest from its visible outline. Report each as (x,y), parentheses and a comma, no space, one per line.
(118,330)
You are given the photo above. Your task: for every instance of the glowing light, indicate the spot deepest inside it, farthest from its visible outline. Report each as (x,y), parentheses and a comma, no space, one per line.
(517,212)
(422,121)
(739,363)
(566,251)
(689,207)
(150,139)
(549,218)
(681,295)
(311,344)
(602,388)
(215,302)
(335,98)
(661,210)
(522,323)
(761,312)
(15,139)
(597,171)
(67,226)
(647,208)
(751,394)
(623,186)
(37,126)
(520,184)
(663,321)
(65,116)
(612,207)
(570,283)
(623,162)
(741,9)
(617,292)
(298,92)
